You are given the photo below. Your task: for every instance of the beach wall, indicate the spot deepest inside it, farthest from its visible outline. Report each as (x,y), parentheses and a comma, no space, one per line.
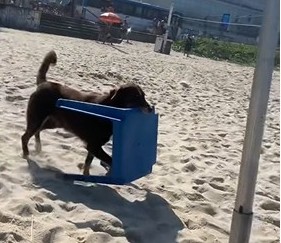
(142,37)
(19,18)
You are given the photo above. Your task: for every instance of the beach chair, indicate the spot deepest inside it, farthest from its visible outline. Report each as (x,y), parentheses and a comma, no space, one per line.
(134,141)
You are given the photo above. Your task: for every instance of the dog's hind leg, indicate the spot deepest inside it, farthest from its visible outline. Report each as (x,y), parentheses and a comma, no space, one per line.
(47,124)
(30,131)
(34,124)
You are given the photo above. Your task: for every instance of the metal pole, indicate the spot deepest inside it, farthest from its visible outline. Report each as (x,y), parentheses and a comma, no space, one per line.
(242,214)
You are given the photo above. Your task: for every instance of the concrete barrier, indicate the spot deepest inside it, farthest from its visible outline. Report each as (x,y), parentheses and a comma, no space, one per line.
(19,18)
(142,37)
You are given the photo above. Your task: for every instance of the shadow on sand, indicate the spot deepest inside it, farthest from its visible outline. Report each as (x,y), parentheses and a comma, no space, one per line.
(118,49)
(150,220)
(113,46)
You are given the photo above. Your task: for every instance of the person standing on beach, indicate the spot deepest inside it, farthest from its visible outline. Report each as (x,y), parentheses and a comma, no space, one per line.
(105,33)
(108,36)
(188,43)
(125,30)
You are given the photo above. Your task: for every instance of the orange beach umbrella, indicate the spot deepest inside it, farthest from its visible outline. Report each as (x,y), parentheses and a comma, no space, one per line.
(110,18)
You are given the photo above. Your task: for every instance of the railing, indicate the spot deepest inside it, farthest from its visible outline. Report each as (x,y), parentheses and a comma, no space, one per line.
(84,10)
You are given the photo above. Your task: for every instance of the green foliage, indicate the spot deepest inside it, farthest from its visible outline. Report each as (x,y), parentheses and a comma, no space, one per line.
(221,50)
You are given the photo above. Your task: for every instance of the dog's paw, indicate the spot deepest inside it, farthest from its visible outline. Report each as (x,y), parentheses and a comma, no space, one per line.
(38,147)
(105,165)
(108,173)
(86,171)
(82,167)
(25,156)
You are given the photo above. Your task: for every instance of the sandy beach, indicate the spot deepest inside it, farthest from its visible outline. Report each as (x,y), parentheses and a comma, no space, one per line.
(189,197)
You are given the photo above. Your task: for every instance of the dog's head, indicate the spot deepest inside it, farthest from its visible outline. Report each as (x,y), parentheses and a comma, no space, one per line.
(129,96)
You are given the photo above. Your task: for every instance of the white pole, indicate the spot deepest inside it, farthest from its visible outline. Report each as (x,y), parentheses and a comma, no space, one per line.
(242,214)
(170,13)
(168,24)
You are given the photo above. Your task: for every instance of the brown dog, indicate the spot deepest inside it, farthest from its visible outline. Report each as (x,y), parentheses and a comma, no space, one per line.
(42,113)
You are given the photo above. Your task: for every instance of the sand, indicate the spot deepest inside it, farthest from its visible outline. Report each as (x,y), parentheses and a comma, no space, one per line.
(190,195)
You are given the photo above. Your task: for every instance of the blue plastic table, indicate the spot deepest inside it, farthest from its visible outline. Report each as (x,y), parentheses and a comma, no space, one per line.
(134,141)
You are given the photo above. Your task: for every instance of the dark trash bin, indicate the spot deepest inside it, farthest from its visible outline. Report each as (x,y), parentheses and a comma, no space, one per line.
(167,47)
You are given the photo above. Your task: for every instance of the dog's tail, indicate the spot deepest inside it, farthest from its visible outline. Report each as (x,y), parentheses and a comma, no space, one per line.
(50,58)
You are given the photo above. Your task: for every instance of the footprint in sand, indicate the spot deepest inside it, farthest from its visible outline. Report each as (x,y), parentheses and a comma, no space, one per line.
(23,86)
(273,179)
(185,160)
(204,146)
(2,168)
(189,167)
(195,197)
(222,135)
(24,210)
(68,207)
(4,219)
(217,179)
(37,199)
(191,149)
(11,90)
(64,134)
(226,145)
(270,205)
(10,237)
(97,237)
(52,234)
(65,146)
(199,181)
(218,187)
(207,208)
(200,188)
(209,163)
(12,98)
(160,145)
(275,221)
(44,208)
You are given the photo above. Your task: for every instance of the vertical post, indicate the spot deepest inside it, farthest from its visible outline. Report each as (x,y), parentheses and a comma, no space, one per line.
(168,25)
(72,8)
(84,4)
(242,214)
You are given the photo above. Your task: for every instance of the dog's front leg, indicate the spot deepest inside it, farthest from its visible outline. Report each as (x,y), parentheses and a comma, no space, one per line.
(88,161)
(106,160)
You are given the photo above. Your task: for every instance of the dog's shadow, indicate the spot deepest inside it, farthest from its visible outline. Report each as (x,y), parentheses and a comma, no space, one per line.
(150,220)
